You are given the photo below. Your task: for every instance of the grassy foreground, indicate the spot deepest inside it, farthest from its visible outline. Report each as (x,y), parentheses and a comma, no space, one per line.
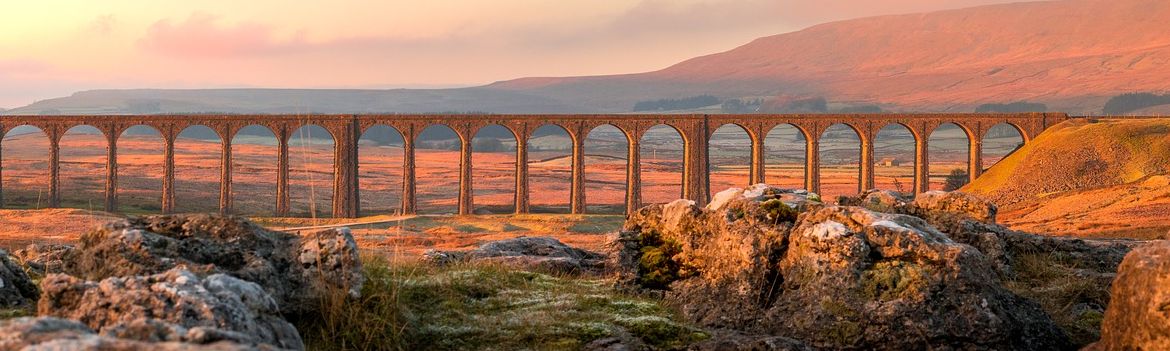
(485,307)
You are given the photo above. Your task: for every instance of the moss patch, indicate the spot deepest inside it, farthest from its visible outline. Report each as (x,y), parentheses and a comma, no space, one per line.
(892,280)
(656,265)
(777,211)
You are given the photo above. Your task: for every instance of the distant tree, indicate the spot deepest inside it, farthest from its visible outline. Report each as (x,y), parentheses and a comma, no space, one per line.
(676,104)
(957,179)
(1126,103)
(1015,107)
(487,145)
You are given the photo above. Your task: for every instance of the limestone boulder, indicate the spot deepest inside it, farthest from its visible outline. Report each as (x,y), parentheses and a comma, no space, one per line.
(1137,318)
(834,277)
(16,288)
(50,333)
(543,253)
(294,269)
(41,259)
(176,305)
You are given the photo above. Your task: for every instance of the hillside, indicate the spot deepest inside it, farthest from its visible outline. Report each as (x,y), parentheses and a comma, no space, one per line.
(1071,55)
(1087,178)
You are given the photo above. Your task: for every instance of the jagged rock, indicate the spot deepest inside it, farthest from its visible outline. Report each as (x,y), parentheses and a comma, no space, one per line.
(294,269)
(16,288)
(545,253)
(836,277)
(49,333)
(175,305)
(42,259)
(1136,318)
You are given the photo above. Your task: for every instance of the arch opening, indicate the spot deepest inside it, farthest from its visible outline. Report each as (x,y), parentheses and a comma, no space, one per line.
(83,168)
(550,169)
(948,145)
(730,158)
(493,163)
(894,155)
(197,169)
(380,155)
(606,163)
(255,150)
(310,168)
(662,149)
(140,170)
(1001,141)
(437,170)
(25,168)
(840,155)
(785,157)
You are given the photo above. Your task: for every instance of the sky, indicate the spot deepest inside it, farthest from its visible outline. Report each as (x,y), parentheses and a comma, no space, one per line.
(51,48)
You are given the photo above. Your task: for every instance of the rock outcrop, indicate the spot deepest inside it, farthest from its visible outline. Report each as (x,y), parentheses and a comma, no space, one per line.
(1137,317)
(542,253)
(176,305)
(16,288)
(293,269)
(43,259)
(49,333)
(763,262)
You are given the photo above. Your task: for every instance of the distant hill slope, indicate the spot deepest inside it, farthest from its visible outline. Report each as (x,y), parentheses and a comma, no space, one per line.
(1080,178)
(1071,55)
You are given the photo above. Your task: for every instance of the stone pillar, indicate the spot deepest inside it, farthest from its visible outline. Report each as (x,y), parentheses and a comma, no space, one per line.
(225,175)
(2,133)
(111,171)
(975,159)
(521,199)
(345,172)
(168,183)
(812,165)
(54,170)
(466,205)
(866,179)
(757,172)
(696,185)
(633,177)
(921,165)
(577,190)
(408,179)
(283,201)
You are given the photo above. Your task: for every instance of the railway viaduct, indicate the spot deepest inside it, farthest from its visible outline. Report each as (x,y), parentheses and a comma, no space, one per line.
(696,131)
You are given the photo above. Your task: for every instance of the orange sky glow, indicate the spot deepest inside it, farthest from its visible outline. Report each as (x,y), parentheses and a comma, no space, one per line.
(51,48)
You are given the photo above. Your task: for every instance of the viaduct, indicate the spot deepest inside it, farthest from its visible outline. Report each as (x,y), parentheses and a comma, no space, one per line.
(696,131)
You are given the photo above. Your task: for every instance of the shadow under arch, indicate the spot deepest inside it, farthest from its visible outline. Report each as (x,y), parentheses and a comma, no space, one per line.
(255,152)
(380,157)
(662,151)
(25,174)
(786,156)
(310,168)
(607,160)
(840,156)
(729,155)
(550,169)
(894,149)
(140,170)
(493,161)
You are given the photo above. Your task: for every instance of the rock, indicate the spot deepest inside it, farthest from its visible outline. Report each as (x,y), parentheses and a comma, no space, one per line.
(1136,318)
(41,259)
(733,341)
(295,270)
(16,288)
(49,333)
(176,305)
(544,253)
(832,277)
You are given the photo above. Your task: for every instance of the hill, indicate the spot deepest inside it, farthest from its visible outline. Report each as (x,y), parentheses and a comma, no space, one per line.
(1087,178)
(1071,55)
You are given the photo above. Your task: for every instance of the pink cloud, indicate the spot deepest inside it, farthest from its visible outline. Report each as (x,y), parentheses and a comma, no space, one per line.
(201,36)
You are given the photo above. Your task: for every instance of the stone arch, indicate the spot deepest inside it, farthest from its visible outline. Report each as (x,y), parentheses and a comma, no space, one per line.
(606,150)
(380,157)
(550,168)
(140,169)
(25,174)
(785,153)
(494,169)
(255,152)
(839,150)
(82,167)
(437,157)
(311,166)
(947,147)
(894,157)
(197,169)
(663,152)
(999,141)
(729,155)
